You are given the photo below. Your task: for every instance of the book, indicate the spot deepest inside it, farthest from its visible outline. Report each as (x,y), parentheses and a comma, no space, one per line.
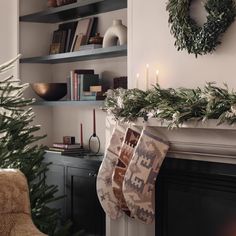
(56,42)
(73,83)
(66,146)
(85,81)
(63,41)
(70,27)
(82,33)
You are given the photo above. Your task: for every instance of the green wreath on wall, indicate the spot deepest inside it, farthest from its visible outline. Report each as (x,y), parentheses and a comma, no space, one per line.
(200,40)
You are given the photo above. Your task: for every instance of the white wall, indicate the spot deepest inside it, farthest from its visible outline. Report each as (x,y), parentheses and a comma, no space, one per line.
(9,31)
(151,42)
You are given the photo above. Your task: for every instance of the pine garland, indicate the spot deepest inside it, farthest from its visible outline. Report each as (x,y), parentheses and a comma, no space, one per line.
(173,105)
(194,38)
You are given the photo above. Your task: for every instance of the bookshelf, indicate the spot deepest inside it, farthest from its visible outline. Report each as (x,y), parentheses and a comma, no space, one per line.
(100,53)
(69,103)
(58,118)
(76,10)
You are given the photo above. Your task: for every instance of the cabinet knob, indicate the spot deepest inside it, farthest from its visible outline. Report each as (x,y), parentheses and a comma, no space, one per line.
(92,174)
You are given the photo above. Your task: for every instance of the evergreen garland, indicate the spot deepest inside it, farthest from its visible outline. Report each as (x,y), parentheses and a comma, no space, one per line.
(196,39)
(173,105)
(18,150)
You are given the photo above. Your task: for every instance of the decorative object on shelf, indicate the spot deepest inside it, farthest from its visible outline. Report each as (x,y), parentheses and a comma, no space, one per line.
(94,138)
(196,39)
(126,153)
(97,39)
(140,177)
(50,91)
(104,179)
(64,2)
(173,106)
(120,82)
(52,3)
(117,33)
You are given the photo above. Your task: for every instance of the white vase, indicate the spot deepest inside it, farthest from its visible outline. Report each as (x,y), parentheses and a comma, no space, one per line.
(116,34)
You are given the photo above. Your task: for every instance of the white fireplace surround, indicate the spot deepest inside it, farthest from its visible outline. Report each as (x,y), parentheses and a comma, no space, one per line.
(194,140)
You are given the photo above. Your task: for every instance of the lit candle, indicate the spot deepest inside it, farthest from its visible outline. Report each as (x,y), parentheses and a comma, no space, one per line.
(157,73)
(137,80)
(81,136)
(147,76)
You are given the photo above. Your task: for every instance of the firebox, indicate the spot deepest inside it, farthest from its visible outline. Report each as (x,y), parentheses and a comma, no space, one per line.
(196,198)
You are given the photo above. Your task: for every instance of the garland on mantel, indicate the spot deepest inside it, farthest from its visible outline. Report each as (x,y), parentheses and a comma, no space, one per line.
(173,105)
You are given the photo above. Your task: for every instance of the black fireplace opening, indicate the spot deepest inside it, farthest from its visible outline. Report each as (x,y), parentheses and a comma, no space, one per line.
(196,198)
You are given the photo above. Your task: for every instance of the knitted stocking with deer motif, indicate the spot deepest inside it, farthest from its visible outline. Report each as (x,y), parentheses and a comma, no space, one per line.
(140,177)
(104,179)
(126,153)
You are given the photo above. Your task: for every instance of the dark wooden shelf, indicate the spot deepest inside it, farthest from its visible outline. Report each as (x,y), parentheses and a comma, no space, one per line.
(79,9)
(68,103)
(99,53)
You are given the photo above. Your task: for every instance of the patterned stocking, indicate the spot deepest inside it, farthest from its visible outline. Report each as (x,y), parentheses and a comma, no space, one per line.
(127,151)
(104,179)
(140,177)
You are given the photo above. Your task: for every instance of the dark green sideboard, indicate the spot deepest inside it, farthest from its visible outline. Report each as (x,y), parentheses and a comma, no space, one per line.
(76,179)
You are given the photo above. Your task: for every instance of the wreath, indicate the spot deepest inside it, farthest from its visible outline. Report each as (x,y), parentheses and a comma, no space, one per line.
(196,39)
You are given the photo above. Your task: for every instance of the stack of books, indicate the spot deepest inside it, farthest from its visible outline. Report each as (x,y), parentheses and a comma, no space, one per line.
(71,35)
(66,149)
(84,85)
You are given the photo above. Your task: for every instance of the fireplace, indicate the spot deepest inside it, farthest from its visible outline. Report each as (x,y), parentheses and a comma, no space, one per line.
(196,198)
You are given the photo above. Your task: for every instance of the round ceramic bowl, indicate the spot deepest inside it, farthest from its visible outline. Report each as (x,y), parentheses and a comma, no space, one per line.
(50,91)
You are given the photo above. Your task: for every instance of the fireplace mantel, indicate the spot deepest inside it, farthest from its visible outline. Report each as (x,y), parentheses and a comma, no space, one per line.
(192,141)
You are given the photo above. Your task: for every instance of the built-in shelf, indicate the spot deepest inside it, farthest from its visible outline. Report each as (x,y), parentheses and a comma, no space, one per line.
(84,55)
(79,9)
(68,103)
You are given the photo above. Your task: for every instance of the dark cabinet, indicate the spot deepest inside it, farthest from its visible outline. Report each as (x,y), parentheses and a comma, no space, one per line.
(76,179)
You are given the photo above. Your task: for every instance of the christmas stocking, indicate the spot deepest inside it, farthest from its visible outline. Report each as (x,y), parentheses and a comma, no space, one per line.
(104,178)
(140,177)
(126,153)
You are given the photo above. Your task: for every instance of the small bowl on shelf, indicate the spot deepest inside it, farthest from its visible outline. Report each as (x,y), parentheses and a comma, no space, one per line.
(50,91)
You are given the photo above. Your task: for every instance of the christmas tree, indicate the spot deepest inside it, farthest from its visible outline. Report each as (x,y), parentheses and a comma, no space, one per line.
(19,148)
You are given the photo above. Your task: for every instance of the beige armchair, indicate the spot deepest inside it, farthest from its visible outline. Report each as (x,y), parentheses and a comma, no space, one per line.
(15,214)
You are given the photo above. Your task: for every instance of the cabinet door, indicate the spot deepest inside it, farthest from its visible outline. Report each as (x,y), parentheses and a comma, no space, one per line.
(85,210)
(56,176)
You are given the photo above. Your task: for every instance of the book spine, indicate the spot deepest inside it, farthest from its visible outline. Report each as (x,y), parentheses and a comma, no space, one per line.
(75,87)
(68,88)
(71,85)
(78,87)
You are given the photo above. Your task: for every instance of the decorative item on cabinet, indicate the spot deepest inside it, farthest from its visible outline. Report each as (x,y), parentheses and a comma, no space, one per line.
(94,138)
(50,91)
(116,34)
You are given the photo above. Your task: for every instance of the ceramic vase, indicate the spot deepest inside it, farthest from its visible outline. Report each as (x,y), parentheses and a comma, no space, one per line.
(116,34)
